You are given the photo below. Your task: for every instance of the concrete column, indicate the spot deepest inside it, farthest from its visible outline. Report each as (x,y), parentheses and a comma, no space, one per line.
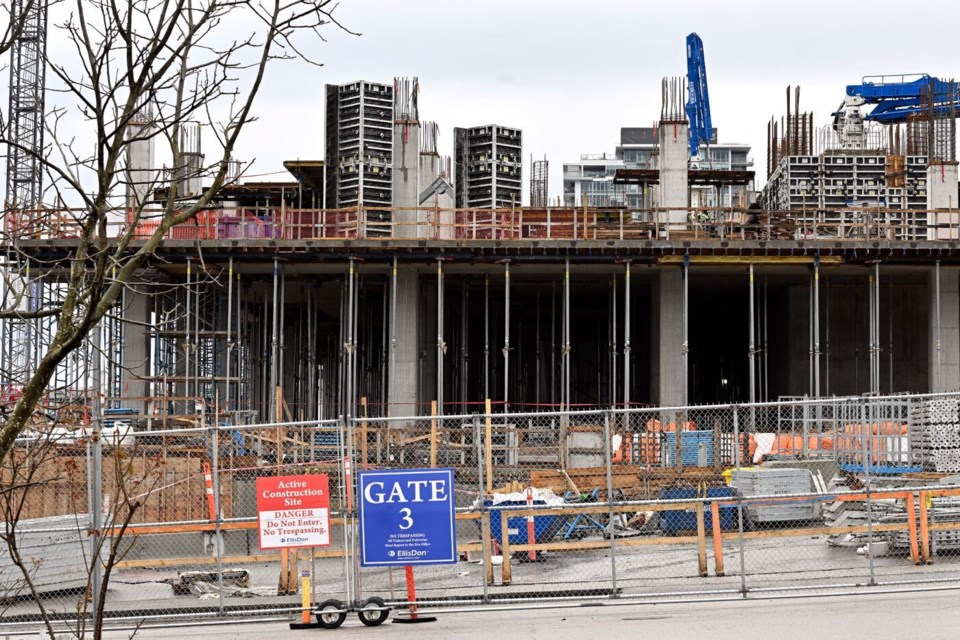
(136,348)
(668,313)
(944,362)
(673,159)
(405,353)
(142,174)
(406,177)
(942,194)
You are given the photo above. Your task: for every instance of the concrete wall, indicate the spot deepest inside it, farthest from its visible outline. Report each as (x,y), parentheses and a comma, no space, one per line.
(441,202)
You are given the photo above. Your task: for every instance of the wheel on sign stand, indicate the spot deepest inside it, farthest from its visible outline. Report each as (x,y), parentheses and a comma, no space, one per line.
(373,612)
(330,614)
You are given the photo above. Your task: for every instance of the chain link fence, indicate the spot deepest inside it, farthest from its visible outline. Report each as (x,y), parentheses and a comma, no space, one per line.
(801,495)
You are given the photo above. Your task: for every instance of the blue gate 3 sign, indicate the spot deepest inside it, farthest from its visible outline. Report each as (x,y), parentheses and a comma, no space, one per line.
(407,517)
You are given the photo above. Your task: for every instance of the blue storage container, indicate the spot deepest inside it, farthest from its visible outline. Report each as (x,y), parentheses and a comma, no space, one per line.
(545,527)
(697,449)
(675,521)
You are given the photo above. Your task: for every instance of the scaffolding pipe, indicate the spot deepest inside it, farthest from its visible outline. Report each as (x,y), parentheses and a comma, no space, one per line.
(537,352)
(506,336)
(766,324)
(464,348)
(282,344)
(553,344)
(626,337)
(873,336)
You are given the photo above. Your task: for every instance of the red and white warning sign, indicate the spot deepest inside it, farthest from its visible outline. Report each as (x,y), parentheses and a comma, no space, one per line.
(294,511)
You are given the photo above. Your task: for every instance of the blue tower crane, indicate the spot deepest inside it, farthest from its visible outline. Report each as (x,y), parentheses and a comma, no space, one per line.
(698,98)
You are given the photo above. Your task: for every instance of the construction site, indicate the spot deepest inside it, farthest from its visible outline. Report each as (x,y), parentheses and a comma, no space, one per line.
(397,308)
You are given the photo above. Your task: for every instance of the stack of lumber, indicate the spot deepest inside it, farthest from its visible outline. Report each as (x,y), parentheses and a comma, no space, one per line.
(634,482)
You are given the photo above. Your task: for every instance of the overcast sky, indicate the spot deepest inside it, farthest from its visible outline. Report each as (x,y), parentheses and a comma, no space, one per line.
(570,74)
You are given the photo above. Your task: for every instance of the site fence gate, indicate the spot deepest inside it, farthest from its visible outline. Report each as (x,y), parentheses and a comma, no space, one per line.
(611,506)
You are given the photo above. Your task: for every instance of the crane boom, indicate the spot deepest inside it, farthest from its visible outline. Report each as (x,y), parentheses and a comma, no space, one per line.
(897,97)
(698,98)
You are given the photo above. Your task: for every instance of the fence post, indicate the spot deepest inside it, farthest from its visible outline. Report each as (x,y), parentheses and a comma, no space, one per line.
(485,540)
(743,561)
(865,460)
(218,534)
(611,528)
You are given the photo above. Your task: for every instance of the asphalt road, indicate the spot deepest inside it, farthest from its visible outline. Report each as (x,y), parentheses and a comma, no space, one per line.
(928,615)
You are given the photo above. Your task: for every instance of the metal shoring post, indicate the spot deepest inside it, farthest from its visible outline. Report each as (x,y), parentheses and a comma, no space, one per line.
(826,344)
(393,331)
(810,336)
(872,336)
(536,349)
(752,357)
(506,337)
(876,326)
(816,326)
(348,400)
(486,337)
(610,522)
(553,345)
(226,388)
(464,346)
(613,342)
(95,481)
(766,366)
(626,342)
(274,346)
(186,324)
(937,387)
(685,359)
(440,345)
(736,461)
(565,419)
(478,441)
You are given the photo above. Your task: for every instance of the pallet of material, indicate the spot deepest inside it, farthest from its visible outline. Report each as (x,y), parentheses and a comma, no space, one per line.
(634,482)
(52,553)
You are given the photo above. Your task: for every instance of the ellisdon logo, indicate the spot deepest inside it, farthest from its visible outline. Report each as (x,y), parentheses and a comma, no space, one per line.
(406,553)
(296,540)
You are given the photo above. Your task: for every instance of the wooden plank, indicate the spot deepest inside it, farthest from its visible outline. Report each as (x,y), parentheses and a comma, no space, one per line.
(506,575)
(701,542)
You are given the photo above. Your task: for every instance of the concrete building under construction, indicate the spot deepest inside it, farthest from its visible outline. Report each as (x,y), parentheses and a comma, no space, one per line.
(357,285)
